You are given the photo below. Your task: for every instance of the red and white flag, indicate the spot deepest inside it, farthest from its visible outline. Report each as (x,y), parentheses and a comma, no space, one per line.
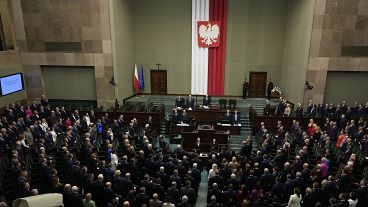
(209,18)
(136,79)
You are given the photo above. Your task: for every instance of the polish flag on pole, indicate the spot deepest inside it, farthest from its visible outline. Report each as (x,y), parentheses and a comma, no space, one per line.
(136,79)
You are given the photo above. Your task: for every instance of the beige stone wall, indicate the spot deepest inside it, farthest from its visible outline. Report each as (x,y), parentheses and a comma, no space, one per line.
(336,23)
(84,21)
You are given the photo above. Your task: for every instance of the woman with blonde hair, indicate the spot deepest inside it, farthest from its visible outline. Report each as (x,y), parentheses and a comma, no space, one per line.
(234,164)
(213,170)
(87,201)
(295,199)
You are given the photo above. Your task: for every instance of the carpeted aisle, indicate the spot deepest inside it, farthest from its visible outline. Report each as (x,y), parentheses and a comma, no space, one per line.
(202,191)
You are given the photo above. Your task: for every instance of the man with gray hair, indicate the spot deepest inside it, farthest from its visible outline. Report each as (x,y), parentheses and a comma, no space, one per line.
(75,199)
(154,202)
(196,173)
(184,202)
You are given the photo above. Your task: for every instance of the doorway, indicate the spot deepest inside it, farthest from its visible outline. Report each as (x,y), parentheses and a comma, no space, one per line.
(257,84)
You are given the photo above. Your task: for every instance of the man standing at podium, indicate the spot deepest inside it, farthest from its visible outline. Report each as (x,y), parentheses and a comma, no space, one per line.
(235,118)
(184,117)
(227,115)
(175,118)
(206,101)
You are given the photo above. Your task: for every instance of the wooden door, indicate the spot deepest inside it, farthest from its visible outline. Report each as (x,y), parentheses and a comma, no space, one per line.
(158,82)
(257,84)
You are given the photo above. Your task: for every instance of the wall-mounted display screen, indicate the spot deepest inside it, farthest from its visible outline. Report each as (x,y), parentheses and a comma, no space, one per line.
(11,84)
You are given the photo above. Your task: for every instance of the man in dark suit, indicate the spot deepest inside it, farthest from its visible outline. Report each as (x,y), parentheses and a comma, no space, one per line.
(198,145)
(216,179)
(277,189)
(173,193)
(178,102)
(163,176)
(176,117)
(288,188)
(184,117)
(299,111)
(142,198)
(75,199)
(159,189)
(230,196)
(235,118)
(99,191)
(214,191)
(245,89)
(206,100)
(196,173)
(267,108)
(269,89)
(109,194)
(227,116)
(44,101)
(266,180)
(189,192)
(190,102)
(362,194)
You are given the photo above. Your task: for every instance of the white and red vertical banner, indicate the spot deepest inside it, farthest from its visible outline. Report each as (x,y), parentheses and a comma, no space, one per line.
(200,12)
(208,46)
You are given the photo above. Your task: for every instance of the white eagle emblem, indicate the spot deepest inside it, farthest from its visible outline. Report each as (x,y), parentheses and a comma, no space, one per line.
(209,34)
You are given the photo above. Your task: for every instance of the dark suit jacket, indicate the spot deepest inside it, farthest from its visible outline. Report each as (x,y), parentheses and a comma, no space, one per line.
(142,199)
(235,119)
(206,102)
(179,102)
(196,173)
(188,191)
(174,195)
(214,192)
(190,103)
(184,118)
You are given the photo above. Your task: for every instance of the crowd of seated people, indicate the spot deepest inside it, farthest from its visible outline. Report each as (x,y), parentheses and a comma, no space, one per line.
(145,172)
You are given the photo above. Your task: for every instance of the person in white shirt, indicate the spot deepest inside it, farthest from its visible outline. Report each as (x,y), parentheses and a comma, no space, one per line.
(168,204)
(53,134)
(213,171)
(87,119)
(353,200)
(114,160)
(295,199)
(44,125)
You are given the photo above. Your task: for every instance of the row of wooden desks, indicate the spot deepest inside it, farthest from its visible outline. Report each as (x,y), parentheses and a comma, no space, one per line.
(206,134)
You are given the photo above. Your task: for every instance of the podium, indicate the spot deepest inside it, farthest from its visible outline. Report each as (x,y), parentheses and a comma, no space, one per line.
(158,82)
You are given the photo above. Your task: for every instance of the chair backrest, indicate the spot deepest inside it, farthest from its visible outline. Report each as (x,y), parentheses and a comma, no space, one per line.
(232,103)
(222,103)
